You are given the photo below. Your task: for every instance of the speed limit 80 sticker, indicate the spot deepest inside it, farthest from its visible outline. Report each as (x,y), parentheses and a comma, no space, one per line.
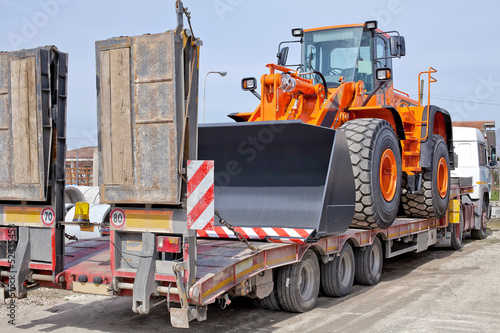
(117,218)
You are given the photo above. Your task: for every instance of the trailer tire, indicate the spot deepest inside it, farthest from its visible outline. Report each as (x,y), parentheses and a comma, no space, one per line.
(369,262)
(376,164)
(457,233)
(482,232)
(298,284)
(271,302)
(337,276)
(433,201)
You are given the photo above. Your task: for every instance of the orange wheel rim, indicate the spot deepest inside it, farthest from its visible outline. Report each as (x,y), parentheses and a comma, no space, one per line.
(442,177)
(388,175)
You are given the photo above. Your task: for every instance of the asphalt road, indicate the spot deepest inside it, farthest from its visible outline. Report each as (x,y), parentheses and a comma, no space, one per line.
(433,291)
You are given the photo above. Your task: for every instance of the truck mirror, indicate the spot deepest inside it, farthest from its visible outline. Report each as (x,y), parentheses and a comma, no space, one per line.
(493,161)
(397,46)
(282,56)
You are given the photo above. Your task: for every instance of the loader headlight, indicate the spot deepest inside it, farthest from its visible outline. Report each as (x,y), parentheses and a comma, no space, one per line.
(383,74)
(288,83)
(297,32)
(370,25)
(249,84)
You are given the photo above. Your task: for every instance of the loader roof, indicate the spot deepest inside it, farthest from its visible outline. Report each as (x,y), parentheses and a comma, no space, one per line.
(336,27)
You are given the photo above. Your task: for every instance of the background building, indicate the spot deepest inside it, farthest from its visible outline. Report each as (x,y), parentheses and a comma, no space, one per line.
(80,166)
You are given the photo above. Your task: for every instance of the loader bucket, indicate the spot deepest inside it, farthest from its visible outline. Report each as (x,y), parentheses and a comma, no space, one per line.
(280,174)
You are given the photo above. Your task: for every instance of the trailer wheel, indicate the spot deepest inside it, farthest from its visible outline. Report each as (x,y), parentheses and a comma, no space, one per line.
(482,232)
(369,261)
(376,164)
(457,233)
(433,202)
(298,284)
(337,276)
(271,302)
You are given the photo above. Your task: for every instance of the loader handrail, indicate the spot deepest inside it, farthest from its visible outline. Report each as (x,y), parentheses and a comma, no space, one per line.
(430,80)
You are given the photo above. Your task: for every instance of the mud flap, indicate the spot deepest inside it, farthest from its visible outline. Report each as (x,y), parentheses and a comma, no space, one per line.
(281,174)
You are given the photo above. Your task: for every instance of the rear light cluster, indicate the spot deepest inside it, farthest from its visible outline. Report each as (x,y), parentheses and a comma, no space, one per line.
(8,234)
(168,244)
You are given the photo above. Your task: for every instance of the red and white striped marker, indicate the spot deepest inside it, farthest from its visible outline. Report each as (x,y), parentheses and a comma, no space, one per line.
(200,191)
(276,235)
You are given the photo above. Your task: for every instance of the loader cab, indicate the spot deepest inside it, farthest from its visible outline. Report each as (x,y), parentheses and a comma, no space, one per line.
(348,53)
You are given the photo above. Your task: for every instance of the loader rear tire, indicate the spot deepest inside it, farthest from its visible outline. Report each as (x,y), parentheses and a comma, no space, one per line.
(433,201)
(376,164)
(337,276)
(298,284)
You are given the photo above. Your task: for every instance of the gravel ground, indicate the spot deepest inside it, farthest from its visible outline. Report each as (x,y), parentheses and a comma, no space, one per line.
(434,291)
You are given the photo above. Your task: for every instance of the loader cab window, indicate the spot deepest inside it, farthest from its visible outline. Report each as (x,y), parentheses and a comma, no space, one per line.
(341,52)
(382,53)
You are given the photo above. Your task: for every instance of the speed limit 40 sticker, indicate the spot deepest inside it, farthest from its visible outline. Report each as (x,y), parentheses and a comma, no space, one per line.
(117,218)
(48,216)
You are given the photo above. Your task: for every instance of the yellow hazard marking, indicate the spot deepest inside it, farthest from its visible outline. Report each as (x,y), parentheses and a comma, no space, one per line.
(250,269)
(281,260)
(332,248)
(218,286)
(454,211)
(29,215)
(149,219)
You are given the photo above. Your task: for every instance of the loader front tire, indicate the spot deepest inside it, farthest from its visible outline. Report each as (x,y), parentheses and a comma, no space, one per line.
(376,164)
(433,201)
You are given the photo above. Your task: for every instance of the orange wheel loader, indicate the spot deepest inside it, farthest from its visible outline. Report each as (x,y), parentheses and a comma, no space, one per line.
(332,144)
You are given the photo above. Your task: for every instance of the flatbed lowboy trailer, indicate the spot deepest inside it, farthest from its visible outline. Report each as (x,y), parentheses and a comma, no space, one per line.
(228,267)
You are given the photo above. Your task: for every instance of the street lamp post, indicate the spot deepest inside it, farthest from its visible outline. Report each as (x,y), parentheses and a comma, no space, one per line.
(205,86)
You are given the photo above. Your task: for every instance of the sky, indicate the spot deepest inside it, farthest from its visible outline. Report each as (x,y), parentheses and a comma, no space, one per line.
(458,38)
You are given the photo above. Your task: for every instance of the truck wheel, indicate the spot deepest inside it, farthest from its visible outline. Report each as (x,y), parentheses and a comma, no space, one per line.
(369,261)
(481,233)
(271,302)
(376,163)
(337,276)
(457,233)
(433,202)
(298,284)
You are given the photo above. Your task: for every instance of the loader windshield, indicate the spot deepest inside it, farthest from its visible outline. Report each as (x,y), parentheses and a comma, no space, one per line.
(340,52)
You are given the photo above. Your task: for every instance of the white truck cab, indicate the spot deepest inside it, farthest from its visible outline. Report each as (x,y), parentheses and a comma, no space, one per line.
(475,159)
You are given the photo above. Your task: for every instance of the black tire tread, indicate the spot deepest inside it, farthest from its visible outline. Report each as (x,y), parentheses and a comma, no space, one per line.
(271,302)
(422,205)
(329,283)
(480,233)
(361,139)
(362,259)
(287,296)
